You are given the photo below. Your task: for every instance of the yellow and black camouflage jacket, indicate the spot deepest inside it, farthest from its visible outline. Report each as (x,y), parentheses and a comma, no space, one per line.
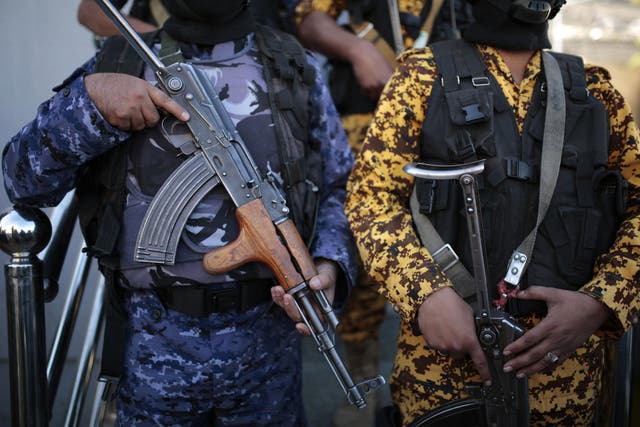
(379,190)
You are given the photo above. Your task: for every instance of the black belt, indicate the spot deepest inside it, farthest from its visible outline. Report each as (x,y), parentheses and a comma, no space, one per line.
(201,301)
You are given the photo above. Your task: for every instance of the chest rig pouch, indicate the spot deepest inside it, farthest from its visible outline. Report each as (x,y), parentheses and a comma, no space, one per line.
(290,79)
(469,119)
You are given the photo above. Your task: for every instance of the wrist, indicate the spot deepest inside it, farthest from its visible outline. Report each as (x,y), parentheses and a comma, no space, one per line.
(356,49)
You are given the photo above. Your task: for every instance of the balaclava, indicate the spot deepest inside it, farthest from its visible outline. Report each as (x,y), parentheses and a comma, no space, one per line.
(512,24)
(208,22)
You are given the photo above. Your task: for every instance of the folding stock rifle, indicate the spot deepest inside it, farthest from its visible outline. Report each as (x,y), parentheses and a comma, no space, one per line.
(505,403)
(216,155)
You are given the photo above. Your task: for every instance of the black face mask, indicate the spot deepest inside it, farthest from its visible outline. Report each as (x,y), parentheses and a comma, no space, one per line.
(208,22)
(495,27)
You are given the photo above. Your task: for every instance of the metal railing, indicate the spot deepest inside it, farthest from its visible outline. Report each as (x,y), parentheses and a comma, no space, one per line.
(39,247)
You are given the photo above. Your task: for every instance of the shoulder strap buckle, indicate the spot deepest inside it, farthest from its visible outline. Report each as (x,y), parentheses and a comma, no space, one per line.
(480,81)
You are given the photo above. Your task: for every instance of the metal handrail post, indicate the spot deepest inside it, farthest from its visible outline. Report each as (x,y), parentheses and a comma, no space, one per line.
(23,233)
(87,357)
(66,325)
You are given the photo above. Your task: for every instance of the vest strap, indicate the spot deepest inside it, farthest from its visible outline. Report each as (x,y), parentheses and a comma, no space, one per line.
(457,61)
(441,252)
(170,52)
(553,142)
(550,166)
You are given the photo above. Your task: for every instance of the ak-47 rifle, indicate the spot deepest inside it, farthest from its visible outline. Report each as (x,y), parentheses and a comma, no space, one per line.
(505,403)
(217,154)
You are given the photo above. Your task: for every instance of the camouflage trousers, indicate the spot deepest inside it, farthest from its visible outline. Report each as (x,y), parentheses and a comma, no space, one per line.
(566,395)
(228,369)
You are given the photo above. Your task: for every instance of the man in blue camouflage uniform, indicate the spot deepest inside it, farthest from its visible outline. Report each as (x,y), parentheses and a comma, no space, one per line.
(228,367)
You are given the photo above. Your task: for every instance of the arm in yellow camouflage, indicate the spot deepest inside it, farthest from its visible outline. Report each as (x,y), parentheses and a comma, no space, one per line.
(616,281)
(379,190)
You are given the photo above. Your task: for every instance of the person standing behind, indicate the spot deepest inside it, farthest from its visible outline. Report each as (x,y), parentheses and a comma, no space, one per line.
(485,98)
(144,16)
(148,15)
(362,56)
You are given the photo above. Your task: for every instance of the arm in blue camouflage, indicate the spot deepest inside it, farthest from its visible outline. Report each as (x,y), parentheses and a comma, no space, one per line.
(43,161)
(333,239)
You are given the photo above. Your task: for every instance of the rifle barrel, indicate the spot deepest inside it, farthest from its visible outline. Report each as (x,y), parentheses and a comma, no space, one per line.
(132,36)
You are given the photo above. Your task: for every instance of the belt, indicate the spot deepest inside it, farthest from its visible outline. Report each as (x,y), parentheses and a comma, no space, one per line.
(201,301)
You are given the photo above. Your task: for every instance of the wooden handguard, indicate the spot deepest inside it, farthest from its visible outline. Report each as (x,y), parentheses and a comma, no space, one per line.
(258,241)
(297,249)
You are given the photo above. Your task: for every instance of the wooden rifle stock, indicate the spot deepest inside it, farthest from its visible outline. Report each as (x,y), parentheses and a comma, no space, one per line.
(259,241)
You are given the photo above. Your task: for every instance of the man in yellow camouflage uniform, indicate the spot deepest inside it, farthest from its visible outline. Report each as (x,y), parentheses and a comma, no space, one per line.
(438,351)
(360,71)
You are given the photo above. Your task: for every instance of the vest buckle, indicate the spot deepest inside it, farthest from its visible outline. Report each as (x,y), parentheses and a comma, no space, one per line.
(445,257)
(472,113)
(518,169)
(480,81)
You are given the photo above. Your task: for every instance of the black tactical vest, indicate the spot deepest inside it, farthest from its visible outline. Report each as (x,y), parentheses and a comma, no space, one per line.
(468,119)
(289,78)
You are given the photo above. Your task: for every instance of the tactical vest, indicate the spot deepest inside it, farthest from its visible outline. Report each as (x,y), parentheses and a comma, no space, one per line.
(289,79)
(469,119)
(345,90)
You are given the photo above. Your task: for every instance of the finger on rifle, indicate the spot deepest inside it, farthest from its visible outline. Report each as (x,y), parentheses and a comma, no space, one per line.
(303,329)
(480,361)
(137,120)
(319,282)
(530,338)
(277,294)
(533,360)
(150,114)
(540,293)
(164,102)
(291,309)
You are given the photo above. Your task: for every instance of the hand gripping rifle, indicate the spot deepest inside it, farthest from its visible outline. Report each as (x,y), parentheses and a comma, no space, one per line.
(506,402)
(217,154)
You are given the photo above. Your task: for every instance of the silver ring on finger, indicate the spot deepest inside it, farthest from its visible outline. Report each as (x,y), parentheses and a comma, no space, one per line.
(552,357)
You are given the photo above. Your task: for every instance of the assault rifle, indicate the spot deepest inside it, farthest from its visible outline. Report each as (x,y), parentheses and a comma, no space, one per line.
(505,403)
(217,154)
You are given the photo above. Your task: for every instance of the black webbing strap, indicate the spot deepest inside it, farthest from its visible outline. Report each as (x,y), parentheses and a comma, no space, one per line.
(201,301)
(457,60)
(170,52)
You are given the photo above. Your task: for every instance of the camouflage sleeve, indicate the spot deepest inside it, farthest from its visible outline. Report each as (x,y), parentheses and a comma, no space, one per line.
(617,273)
(330,7)
(332,240)
(40,164)
(379,190)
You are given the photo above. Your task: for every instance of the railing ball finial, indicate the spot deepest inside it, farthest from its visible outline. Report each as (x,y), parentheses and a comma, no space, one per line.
(24,231)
